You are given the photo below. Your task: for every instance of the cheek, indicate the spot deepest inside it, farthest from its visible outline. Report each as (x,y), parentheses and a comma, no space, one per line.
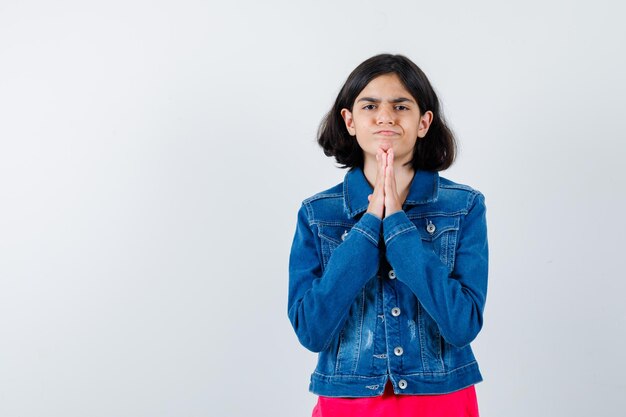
(414,127)
(366,147)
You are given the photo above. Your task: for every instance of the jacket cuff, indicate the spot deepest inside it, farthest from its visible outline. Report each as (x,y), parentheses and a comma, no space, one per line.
(396,224)
(369,225)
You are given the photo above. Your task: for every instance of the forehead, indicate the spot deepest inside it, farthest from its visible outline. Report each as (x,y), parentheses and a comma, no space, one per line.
(385,86)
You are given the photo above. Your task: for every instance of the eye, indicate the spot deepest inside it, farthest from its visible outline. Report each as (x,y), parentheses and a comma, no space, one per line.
(369,107)
(402,108)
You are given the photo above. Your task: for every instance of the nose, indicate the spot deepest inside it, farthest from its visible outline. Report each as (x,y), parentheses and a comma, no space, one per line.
(384,116)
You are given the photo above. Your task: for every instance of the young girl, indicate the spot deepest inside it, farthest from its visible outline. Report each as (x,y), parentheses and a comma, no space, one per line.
(388,269)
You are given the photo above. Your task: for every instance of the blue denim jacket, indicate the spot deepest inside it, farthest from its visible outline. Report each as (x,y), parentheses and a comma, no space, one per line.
(398,298)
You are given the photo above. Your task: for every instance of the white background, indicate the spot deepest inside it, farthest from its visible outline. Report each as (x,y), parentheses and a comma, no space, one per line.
(153,155)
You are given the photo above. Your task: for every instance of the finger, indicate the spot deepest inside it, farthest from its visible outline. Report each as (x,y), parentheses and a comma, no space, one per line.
(390,180)
(381,167)
(392,176)
(393,173)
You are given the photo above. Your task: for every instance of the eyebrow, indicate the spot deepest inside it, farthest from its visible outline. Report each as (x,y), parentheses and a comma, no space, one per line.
(395,100)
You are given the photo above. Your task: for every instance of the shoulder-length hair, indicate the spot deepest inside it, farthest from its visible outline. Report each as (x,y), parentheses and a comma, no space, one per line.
(435,151)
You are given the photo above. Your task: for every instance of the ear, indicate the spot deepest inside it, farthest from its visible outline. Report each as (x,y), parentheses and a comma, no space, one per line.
(425,120)
(347,118)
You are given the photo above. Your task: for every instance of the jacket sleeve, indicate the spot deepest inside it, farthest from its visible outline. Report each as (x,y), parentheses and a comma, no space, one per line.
(454,300)
(319,303)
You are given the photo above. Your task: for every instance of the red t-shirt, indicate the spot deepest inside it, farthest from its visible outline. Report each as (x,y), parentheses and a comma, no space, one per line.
(461,403)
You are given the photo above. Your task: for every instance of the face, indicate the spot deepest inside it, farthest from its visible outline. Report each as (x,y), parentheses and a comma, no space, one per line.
(385,115)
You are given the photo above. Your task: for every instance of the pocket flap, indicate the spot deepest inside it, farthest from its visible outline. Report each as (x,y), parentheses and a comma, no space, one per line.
(431,227)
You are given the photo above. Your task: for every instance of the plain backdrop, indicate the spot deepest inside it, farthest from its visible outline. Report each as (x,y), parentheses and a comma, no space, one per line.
(153,155)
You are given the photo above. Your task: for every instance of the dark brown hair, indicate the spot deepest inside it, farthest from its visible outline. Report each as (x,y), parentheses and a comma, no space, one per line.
(435,151)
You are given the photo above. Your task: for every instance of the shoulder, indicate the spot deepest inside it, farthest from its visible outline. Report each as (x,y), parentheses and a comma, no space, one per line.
(336,191)
(326,205)
(463,194)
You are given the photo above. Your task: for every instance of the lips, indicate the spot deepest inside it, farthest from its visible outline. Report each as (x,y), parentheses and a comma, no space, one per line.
(386,133)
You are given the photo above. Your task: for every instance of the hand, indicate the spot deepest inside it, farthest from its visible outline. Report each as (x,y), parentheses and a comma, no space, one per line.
(377,198)
(392,199)
(385,200)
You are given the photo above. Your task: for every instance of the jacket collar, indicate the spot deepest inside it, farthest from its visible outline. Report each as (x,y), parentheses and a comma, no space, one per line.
(423,189)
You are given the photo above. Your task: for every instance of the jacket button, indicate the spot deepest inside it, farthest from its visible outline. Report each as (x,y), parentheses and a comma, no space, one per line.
(430,228)
(402,384)
(398,351)
(343,236)
(395,311)
(392,274)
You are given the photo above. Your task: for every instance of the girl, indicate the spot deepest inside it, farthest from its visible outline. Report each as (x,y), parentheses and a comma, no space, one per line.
(388,269)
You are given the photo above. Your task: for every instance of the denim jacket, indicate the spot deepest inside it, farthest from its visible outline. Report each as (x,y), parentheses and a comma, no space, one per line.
(399,298)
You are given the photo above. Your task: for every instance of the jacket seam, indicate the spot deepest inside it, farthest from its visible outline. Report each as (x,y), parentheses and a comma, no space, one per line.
(470,203)
(320,196)
(367,235)
(398,373)
(422,215)
(458,187)
(399,232)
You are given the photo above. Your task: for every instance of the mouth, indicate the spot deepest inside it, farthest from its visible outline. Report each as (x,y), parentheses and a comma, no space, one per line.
(386,133)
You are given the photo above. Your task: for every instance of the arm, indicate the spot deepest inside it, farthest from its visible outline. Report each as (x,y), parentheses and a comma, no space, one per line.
(318,304)
(455,301)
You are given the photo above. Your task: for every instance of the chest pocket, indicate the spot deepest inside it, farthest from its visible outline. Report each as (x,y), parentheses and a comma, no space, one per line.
(331,236)
(439,234)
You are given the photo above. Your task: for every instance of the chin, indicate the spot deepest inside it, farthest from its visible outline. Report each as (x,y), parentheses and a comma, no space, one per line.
(385,146)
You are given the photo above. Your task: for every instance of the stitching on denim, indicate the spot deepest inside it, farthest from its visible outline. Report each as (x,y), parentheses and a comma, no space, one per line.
(346,376)
(325,256)
(310,213)
(470,202)
(330,338)
(370,237)
(457,187)
(339,351)
(346,195)
(444,242)
(360,335)
(406,229)
(382,290)
(444,372)
(333,223)
(440,231)
(453,244)
(330,239)
(322,195)
(421,215)
(318,247)
(443,365)
(420,329)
